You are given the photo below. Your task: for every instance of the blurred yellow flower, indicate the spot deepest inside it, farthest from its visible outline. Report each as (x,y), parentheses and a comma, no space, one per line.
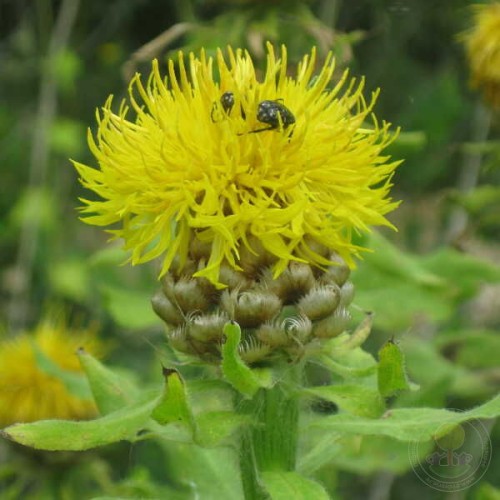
(41,377)
(235,163)
(482,45)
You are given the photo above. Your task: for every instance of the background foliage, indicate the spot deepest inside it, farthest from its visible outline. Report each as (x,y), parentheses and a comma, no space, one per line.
(433,285)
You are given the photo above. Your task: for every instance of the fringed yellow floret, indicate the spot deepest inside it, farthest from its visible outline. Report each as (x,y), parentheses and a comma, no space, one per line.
(235,164)
(482,45)
(30,364)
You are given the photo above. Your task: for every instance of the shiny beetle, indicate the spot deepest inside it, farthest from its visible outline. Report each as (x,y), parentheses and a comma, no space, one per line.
(227,103)
(274,114)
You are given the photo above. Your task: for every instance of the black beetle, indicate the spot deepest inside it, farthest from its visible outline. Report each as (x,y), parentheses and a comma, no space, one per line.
(227,103)
(275,114)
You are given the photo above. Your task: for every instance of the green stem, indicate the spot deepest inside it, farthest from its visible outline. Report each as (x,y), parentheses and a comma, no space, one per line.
(270,443)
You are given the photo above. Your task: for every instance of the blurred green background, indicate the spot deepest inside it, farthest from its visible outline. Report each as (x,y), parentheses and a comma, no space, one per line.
(434,285)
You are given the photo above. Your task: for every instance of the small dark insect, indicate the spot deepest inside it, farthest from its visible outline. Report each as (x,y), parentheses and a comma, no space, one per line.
(227,103)
(275,114)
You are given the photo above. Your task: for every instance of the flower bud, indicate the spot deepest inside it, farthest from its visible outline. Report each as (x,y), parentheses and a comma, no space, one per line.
(252,351)
(199,249)
(272,334)
(298,328)
(186,293)
(208,351)
(177,339)
(233,279)
(208,327)
(295,281)
(338,272)
(346,293)
(320,302)
(168,312)
(254,257)
(333,325)
(251,308)
(314,246)
(188,268)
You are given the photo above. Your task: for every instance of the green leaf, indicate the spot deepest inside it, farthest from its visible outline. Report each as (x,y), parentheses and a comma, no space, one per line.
(408,424)
(172,432)
(323,450)
(292,486)
(110,390)
(350,363)
(215,426)
(210,395)
(346,371)
(138,483)
(70,278)
(54,435)
(66,67)
(66,137)
(388,274)
(428,367)
(376,453)
(478,199)
(487,491)
(211,473)
(130,309)
(174,406)
(75,383)
(237,373)
(391,370)
(110,256)
(412,140)
(396,302)
(464,271)
(355,399)
(36,205)
(392,261)
(490,146)
(432,286)
(473,348)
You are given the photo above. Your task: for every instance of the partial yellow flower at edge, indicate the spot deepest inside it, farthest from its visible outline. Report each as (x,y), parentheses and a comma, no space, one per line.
(27,393)
(188,167)
(482,46)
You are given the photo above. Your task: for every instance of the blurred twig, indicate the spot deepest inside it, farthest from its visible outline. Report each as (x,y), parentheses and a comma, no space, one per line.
(469,173)
(151,49)
(39,160)
(328,12)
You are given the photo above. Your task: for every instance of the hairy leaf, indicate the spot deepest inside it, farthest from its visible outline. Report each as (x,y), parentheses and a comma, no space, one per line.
(292,486)
(55,435)
(408,424)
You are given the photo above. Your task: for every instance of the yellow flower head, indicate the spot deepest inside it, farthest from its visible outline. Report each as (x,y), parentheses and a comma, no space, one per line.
(282,163)
(39,374)
(482,45)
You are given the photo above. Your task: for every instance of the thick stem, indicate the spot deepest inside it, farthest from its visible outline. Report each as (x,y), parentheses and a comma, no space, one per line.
(270,442)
